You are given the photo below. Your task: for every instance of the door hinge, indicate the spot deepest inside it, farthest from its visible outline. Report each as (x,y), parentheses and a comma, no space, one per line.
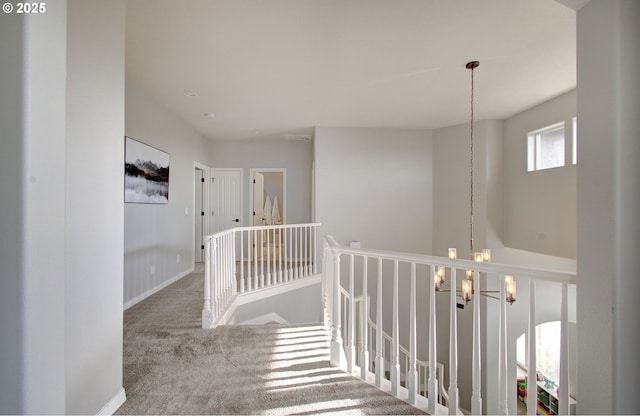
(202,213)
(254,213)
(202,247)
(254,181)
(213,179)
(202,180)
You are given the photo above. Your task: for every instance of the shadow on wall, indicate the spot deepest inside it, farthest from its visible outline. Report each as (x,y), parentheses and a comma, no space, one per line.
(298,306)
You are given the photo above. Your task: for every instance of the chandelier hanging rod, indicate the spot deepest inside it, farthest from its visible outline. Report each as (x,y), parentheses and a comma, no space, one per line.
(471,65)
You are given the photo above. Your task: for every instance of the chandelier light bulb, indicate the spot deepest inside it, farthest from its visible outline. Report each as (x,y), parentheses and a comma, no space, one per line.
(478,257)
(510,288)
(467,288)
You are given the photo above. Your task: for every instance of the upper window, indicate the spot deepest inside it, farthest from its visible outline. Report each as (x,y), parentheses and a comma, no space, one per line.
(546,147)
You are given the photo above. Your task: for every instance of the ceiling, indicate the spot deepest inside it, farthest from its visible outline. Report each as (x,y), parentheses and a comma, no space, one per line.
(268,68)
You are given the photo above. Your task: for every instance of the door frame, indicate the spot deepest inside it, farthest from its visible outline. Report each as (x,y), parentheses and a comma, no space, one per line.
(205,204)
(283,203)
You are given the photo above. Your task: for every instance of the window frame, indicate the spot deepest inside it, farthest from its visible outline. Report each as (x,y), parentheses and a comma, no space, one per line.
(574,143)
(534,146)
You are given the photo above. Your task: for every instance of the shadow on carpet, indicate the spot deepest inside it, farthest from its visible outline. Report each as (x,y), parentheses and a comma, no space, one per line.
(172,366)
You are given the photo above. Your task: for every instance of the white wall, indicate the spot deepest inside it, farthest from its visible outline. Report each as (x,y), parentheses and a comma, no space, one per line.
(608,203)
(32,212)
(295,156)
(94,212)
(451,187)
(155,235)
(540,206)
(374,185)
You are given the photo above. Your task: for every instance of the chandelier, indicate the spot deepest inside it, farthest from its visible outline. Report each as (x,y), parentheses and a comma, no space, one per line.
(467,287)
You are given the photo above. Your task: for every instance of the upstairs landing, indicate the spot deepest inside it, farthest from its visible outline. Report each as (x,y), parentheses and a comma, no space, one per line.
(173,366)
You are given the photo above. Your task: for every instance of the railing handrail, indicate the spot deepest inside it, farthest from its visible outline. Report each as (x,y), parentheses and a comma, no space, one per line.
(243,259)
(482,273)
(568,277)
(262,227)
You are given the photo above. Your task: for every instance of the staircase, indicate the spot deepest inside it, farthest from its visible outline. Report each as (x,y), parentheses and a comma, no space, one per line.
(286,370)
(366,342)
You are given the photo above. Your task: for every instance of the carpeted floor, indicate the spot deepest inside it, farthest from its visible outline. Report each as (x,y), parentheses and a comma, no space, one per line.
(173,366)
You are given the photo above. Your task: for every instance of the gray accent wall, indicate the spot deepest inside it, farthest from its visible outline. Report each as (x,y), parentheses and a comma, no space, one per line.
(93,205)
(294,155)
(540,206)
(375,186)
(159,239)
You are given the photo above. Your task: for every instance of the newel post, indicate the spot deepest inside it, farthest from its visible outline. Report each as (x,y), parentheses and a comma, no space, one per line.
(412,376)
(476,362)
(351,325)
(364,326)
(433,380)
(338,358)
(453,348)
(532,388)
(503,374)
(327,264)
(395,336)
(208,315)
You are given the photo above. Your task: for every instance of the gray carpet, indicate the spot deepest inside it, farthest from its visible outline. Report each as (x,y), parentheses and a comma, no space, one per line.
(173,366)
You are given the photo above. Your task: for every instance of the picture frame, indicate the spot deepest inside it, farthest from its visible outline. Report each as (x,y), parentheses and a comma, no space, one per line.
(146,173)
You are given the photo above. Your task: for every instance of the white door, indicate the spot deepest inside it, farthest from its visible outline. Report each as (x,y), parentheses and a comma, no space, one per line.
(226,199)
(199,212)
(258,198)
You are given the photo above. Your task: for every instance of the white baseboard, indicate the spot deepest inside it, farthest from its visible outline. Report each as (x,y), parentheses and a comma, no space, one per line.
(114,404)
(153,290)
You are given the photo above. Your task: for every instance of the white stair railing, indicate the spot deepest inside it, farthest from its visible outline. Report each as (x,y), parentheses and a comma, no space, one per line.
(344,317)
(420,367)
(246,259)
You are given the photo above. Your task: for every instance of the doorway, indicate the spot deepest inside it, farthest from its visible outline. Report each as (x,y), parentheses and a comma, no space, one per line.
(268,196)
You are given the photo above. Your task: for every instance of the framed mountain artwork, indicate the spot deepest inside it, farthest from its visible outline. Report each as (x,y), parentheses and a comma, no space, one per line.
(146,173)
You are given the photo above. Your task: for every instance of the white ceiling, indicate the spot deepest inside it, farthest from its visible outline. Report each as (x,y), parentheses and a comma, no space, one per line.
(270,67)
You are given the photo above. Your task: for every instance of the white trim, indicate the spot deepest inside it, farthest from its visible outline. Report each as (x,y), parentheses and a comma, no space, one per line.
(114,404)
(153,290)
